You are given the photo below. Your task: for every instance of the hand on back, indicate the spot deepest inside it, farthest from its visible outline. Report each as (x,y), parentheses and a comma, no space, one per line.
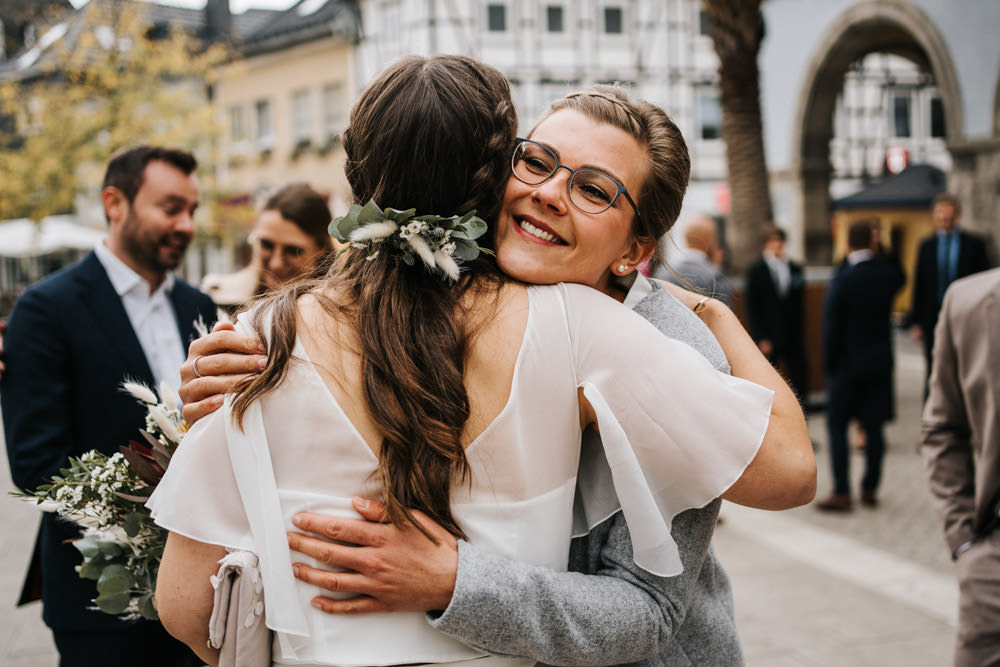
(381,566)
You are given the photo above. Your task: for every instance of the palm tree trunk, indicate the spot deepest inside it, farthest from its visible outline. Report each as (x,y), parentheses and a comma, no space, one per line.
(737,30)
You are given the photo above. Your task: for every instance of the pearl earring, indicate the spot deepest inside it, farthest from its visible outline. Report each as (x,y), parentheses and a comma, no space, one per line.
(622,268)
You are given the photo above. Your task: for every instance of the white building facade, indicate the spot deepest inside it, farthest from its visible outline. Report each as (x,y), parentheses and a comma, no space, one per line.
(657,48)
(885,107)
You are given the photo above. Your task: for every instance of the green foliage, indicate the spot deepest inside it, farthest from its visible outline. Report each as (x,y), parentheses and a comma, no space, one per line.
(121,545)
(102,86)
(438,241)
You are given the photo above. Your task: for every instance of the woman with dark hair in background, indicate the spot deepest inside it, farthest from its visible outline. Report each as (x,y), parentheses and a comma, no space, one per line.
(289,240)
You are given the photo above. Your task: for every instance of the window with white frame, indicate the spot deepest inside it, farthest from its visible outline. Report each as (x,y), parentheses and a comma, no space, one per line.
(704,23)
(613,20)
(302,130)
(902,105)
(237,123)
(262,125)
(554,18)
(334,110)
(391,16)
(709,115)
(938,130)
(496,17)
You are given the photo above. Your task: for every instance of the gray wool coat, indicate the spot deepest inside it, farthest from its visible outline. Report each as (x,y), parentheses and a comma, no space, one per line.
(624,615)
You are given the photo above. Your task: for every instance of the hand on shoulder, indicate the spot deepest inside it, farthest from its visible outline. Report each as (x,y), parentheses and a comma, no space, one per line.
(215,364)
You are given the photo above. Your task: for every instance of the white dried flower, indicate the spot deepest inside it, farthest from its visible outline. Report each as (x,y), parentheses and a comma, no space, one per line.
(375,231)
(167,427)
(168,395)
(420,247)
(140,392)
(447,264)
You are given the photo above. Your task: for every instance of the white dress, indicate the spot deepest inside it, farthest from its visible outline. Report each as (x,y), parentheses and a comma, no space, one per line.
(676,434)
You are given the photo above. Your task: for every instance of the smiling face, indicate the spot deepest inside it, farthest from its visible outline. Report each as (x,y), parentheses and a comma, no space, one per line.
(286,252)
(541,237)
(152,233)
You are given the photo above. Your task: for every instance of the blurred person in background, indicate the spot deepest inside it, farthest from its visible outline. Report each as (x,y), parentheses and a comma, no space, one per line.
(951,253)
(289,240)
(699,267)
(858,362)
(775,305)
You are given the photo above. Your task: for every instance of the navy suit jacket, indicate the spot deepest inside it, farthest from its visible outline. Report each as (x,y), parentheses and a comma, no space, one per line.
(770,317)
(69,344)
(972,258)
(857,329)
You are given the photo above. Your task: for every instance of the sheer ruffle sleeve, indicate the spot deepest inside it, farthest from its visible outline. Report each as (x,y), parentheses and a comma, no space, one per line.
(676,433)
(220,489)
(198,496)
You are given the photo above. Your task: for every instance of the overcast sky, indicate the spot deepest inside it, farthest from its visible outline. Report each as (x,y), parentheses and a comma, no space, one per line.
(237,6)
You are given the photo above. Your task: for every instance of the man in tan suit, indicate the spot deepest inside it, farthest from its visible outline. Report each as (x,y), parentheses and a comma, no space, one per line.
(961,445)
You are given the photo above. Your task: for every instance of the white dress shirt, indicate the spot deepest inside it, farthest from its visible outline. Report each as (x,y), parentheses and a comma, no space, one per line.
(857,256)
(152,317)
(780,272)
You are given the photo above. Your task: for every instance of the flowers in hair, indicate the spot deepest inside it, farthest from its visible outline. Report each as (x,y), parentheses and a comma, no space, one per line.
(441,243)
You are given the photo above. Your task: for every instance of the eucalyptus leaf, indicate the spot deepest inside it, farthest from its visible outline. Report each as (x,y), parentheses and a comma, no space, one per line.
(476,228)
(110,548)
(133,523)
(113,603)
(87,546)
(398,216)
(89,569)
(147,608)
(369,213)
(465,251)
(115,579)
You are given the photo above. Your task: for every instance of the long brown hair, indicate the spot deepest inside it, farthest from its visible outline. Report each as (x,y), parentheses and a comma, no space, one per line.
(434,134)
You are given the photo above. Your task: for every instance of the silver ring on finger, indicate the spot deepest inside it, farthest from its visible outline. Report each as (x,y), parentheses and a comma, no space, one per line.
(194,366)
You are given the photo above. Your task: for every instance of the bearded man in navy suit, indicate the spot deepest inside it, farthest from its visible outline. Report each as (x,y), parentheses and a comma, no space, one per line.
(951,253)
(858,362)
(71,340)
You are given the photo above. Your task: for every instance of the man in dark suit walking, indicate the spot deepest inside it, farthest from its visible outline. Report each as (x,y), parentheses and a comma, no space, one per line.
(858,362)
(775,304)
(949,254)
(71,340)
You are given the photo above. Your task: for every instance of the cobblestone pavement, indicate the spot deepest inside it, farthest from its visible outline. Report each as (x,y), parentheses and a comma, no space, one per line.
(873,587)
(905,522)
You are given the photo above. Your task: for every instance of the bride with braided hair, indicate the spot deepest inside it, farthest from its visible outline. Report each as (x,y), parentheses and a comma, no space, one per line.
(416,373)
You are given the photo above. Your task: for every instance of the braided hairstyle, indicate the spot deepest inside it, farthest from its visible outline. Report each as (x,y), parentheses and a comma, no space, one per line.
(434,134)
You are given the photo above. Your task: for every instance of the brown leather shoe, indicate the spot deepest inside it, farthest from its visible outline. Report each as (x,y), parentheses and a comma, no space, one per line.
(869,499)
(837,502)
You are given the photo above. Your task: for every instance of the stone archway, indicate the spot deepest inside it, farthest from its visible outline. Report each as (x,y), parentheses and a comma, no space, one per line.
(871,26)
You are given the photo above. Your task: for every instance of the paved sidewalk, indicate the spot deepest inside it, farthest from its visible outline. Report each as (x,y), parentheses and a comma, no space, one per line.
(872,588)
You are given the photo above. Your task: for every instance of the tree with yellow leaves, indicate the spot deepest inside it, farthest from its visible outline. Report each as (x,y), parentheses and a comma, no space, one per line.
(104,77)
